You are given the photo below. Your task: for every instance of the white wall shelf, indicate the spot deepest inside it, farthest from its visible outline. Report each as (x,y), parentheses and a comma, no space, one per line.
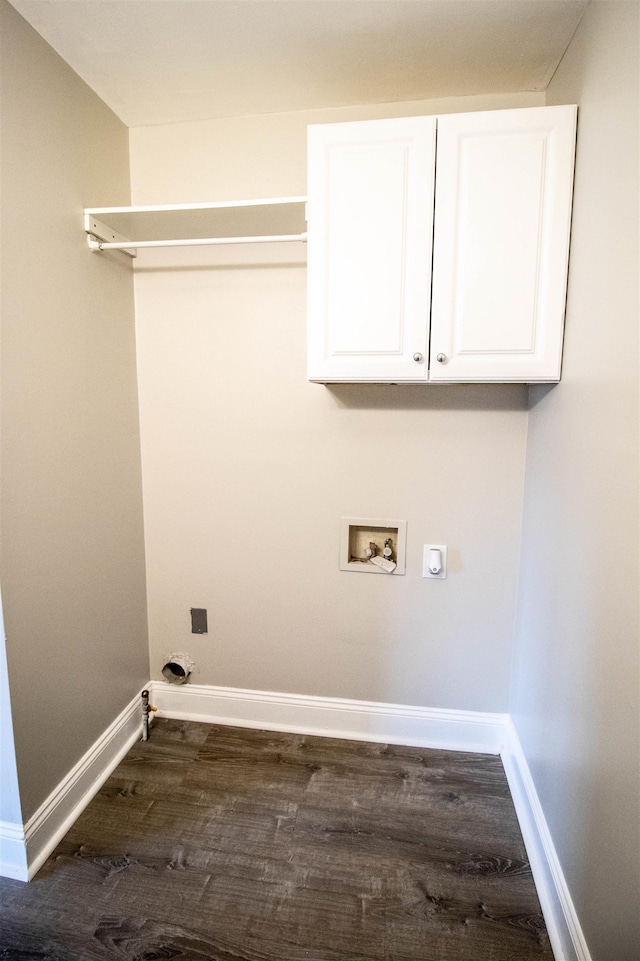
(269,220)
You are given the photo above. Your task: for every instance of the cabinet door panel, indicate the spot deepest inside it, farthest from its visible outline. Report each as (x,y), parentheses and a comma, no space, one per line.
(365,292)
(503,207)
(370,218)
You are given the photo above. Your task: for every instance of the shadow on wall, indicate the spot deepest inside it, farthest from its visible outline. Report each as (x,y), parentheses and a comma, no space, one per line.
(538,394)
(480,397)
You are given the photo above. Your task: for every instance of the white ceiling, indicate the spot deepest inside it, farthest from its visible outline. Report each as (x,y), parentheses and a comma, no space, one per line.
(160,61)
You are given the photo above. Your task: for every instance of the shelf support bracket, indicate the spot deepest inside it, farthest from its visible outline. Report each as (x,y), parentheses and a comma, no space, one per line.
(99,234)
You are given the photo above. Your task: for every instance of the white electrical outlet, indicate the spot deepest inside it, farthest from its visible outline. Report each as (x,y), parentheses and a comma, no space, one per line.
(434,561)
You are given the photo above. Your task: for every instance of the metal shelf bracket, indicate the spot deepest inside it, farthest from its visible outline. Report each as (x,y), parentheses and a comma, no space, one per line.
(101,236)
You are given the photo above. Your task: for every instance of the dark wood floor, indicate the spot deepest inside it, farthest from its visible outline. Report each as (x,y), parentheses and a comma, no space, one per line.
(222,844)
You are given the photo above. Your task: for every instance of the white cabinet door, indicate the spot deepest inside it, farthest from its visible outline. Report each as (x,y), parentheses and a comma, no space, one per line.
(370,226)
(502,219)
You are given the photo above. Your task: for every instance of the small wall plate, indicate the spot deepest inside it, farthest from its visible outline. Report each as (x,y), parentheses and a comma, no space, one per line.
(357,532)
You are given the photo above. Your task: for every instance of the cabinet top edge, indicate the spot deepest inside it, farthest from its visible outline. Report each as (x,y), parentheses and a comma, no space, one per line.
(556,108)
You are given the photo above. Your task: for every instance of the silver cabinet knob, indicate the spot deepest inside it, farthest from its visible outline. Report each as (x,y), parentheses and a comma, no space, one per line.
(418,358)
(441,358)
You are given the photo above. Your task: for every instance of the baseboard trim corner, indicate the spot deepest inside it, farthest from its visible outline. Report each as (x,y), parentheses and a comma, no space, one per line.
(67,801)
(13,852)
(475,731)
(565,932)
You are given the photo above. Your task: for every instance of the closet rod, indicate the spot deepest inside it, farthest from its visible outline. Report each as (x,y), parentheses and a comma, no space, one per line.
(197,242)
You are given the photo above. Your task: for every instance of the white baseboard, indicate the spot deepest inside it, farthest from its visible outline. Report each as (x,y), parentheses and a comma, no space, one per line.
(13,852)
(565,933)
(54,817)
(332,717)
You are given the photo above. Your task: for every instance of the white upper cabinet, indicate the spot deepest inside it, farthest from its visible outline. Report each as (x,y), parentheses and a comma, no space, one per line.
(500,247)
(502,220)
(370,228)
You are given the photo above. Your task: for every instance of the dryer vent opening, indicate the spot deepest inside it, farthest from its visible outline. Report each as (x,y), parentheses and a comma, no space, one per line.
(177,668)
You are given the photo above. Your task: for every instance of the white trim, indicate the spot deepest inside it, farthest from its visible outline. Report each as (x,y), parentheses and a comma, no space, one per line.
(13,853)
(64,805)
(332,716)
(565,933)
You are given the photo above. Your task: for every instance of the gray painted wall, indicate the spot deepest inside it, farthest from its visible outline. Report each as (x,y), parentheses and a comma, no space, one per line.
(247,467)
(576,673)
(72,560)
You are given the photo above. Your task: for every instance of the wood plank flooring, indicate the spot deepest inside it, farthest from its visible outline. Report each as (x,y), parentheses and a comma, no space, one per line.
(213,843)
